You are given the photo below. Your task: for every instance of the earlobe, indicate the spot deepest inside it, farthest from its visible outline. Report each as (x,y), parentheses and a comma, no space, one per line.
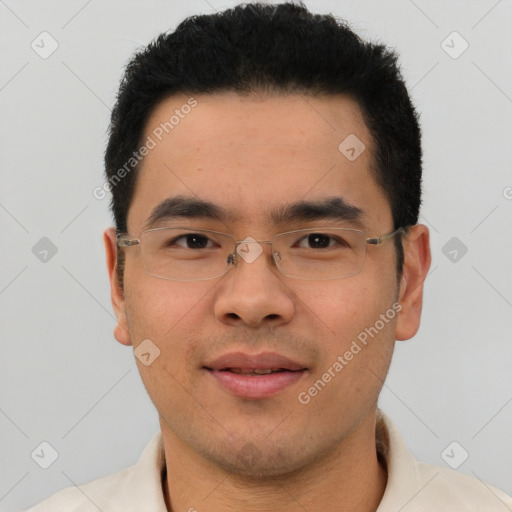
(121,332)
(417,260)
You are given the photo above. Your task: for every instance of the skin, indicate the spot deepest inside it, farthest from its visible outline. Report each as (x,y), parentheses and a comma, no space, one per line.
(250,154)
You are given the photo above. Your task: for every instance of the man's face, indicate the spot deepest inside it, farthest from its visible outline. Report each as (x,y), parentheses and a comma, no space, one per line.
(252,157)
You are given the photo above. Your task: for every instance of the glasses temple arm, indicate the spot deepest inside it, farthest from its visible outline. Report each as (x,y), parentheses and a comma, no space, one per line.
(383,238)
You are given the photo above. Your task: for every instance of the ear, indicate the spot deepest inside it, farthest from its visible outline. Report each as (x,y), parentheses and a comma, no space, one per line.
(121,332)
(416,264)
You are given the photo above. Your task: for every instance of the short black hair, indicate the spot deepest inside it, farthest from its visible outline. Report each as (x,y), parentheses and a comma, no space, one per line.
(275,49)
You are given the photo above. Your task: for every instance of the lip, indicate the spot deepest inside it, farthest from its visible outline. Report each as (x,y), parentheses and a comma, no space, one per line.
(254,361)
(249,385)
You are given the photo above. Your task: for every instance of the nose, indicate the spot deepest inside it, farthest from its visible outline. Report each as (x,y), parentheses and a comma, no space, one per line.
(253,292)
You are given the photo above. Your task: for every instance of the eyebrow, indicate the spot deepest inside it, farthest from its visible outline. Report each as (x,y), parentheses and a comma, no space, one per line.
(332,208)
(186,207)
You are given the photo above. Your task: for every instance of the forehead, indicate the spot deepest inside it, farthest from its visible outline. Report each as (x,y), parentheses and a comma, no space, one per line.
(253,153)
(315,126)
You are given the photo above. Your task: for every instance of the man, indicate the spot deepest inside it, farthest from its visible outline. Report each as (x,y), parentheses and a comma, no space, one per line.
(265,167)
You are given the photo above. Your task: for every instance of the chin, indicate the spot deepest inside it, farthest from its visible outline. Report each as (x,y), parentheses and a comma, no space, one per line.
(261,460)
(251,464)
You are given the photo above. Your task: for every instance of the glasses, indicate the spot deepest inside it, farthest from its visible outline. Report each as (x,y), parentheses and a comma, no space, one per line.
(317,254)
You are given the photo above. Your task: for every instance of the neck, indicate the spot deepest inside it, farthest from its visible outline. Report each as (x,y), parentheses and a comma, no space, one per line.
(348,478)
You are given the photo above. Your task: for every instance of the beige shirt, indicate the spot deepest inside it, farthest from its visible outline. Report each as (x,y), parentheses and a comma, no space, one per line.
(412,486)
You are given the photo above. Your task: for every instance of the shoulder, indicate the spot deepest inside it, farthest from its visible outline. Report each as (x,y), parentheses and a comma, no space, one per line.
(92,496)
(448,488)
(414,486)
(138,487)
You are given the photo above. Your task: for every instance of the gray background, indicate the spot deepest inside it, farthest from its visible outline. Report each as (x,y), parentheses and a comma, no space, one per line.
(63,377)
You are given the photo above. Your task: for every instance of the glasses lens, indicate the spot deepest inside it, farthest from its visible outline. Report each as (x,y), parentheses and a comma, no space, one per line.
(320,254)
(185,254)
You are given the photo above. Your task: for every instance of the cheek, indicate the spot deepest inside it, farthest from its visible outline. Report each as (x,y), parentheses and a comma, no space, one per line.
(342,309)
(169,314)
(356,349)
(356,343)
(164,310)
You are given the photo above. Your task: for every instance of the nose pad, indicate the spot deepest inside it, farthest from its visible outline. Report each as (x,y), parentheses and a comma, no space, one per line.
(276,257)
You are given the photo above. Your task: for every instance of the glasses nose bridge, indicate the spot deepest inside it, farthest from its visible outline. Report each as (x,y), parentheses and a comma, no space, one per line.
(235,256)
(251,240)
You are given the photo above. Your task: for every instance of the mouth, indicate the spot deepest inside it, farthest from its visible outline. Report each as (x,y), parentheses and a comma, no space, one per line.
(255,376)
(256,371)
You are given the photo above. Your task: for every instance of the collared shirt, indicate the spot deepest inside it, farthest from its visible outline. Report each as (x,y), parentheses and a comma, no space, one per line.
(411,487)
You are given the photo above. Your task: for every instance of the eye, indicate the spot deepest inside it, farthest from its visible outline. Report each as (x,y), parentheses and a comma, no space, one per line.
(192,241)
(317,241)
